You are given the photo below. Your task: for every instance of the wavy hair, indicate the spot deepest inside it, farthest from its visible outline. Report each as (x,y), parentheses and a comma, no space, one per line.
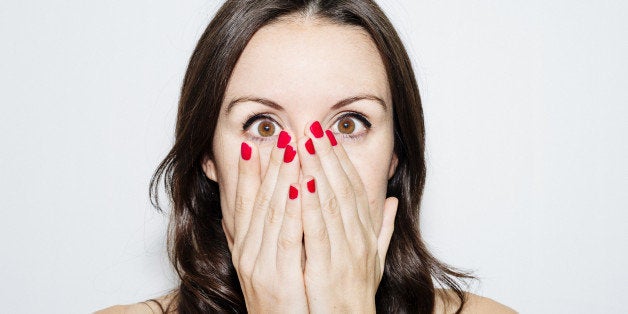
(197,245)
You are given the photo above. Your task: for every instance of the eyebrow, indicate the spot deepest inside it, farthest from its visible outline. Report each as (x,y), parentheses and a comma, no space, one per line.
(274,105)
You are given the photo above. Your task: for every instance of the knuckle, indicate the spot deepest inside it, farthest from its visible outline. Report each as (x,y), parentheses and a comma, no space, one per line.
(286,243)
(273,216)
(292,214)
(254,278)
(345,191)
(320,234)
(330,205)
(259,279)
(262,200)
(240,203)
(359,190)
(245,268)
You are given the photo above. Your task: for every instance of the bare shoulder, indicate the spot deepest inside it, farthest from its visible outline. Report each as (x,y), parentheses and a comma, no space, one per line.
(479,304)
(146,307)
(447,302)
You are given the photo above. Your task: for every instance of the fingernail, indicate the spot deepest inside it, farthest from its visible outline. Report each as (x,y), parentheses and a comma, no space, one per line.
(245,151)
(332,138)
(316,129)
(294,193)
(288,154)
(311,186)
(284,139)
(309,146)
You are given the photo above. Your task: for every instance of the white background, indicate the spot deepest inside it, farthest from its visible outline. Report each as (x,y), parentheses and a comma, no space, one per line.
(526,106)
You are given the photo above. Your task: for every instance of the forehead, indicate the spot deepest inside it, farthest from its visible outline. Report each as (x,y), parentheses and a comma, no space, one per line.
(309,61)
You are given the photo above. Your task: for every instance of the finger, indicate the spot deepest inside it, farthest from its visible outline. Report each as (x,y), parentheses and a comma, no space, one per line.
(359,191)
(290,240)
(288,172)
(343,191)
(315,234)
(248,184)
(327,203)
(253,236)
(229,239)
(388,226)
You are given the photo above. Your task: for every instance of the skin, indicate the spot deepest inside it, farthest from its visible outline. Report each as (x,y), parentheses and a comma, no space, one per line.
(306,67)
(308,254)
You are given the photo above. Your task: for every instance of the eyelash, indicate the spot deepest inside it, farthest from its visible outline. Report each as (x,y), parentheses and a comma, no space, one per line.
(358,116)
(254,118)
(351,114)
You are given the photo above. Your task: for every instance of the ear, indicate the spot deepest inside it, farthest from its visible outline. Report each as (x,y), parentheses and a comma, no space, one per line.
(393,165)
(209,168)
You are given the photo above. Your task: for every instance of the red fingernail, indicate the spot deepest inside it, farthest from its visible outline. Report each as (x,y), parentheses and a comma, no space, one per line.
(284,139)
(332,138)
(316,129)
(309,146)
(294,193)
(245,151)
(311,186)
(288,154)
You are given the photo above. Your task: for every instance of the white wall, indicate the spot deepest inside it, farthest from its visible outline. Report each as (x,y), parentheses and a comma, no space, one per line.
(526,106)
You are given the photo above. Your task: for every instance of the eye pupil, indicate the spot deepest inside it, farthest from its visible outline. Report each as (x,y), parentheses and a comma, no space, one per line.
(346,126)
(266,128)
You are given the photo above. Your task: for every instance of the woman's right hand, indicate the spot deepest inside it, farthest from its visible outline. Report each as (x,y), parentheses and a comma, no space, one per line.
(267,244)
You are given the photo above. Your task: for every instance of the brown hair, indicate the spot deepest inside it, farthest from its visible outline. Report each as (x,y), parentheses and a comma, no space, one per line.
(197,244)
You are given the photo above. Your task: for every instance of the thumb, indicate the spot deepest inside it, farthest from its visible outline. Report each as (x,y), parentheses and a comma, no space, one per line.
(388,226)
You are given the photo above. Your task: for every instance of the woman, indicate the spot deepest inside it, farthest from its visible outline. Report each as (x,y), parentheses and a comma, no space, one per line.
(298,169)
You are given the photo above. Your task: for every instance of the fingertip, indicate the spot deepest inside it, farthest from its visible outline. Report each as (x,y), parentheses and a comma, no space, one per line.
(311,185)
(391,205)
(393,200)
(293,193)
(305,148)
(249,157)
(284,139)
(314,129)
(331,137)
(308,183)
(309,146)
(289,154)
(246,150)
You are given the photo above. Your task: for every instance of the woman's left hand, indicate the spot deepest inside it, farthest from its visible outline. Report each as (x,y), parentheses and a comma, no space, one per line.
(345,255)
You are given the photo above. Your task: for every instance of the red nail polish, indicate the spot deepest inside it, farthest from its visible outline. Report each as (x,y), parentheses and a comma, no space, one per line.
(288,154)
(284,139)
(331,137)
(245,151)
(309,146)
(294,193)
(311,186)
(316,129)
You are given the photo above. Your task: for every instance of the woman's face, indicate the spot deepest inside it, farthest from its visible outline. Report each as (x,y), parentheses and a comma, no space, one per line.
(303,67)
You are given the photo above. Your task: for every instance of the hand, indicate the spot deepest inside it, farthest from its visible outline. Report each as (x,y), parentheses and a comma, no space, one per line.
(344,254)
(268,232)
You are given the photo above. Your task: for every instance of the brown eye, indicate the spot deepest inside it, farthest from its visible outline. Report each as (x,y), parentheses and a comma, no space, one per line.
(266,128)
(346,125)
